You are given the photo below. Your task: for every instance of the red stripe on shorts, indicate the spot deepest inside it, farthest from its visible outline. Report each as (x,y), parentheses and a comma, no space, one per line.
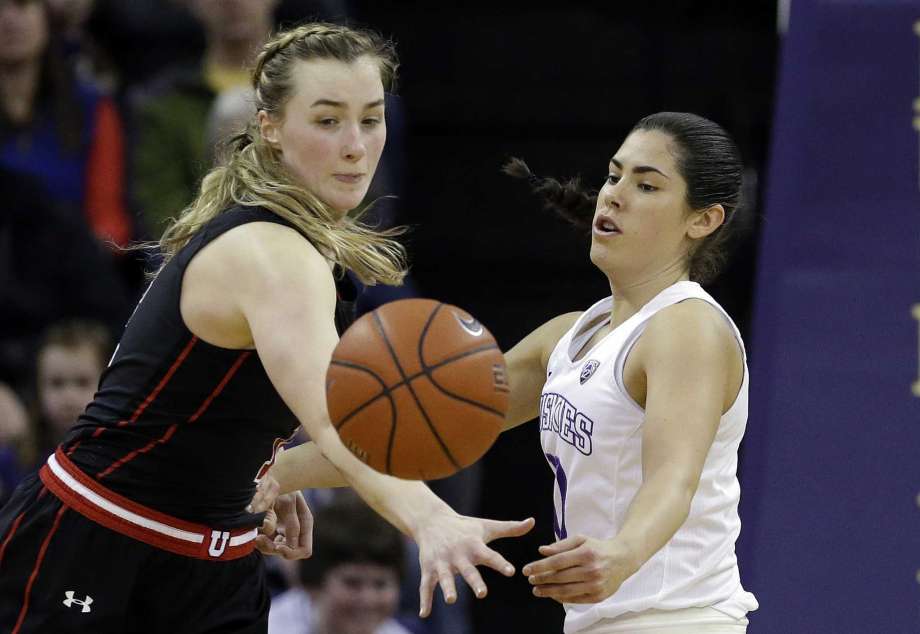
(34,575)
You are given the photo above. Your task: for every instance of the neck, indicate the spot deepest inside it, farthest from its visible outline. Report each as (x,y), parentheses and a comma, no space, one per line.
(18,85)
(234,53)
(629,296)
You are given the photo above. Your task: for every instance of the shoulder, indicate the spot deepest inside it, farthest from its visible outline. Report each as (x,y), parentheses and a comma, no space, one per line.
(263,259)
(552,331)
(692,329)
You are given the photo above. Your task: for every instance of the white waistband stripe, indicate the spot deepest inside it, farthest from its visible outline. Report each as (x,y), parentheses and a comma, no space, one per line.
(244,538)
(129,516)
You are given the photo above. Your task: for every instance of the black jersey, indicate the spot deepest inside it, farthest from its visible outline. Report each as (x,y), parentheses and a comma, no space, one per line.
(179,425)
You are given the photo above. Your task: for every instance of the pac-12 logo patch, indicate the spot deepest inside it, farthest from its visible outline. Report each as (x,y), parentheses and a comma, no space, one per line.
(587,370)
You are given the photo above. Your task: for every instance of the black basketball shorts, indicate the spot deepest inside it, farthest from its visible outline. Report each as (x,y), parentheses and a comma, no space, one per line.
(61,573)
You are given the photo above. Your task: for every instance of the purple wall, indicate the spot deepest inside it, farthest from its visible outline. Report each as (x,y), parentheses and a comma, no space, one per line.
(831,471)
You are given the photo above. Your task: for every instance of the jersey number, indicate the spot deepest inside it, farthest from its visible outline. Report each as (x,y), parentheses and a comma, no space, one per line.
(562,483)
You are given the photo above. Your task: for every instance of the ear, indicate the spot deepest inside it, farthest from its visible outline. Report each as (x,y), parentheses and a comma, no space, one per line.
(269,129)
(704,222)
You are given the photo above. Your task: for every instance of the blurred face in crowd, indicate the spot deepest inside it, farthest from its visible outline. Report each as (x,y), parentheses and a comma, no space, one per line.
(234,20)
(23,31)
(356,598)
(67,381)
(332,131)
(641,223)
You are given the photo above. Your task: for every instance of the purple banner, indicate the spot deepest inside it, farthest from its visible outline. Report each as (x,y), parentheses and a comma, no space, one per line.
(831,465)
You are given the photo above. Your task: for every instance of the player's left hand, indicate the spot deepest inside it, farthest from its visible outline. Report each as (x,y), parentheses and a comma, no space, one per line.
(288,528)
(580,570)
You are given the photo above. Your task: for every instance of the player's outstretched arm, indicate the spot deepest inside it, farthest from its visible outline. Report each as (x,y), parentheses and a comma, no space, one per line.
(526,363)
(286,294)
(686,353)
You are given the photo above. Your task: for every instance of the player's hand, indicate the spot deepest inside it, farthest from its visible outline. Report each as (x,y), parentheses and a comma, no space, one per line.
(288,528)
(267,490)
(451,544)
(580,570)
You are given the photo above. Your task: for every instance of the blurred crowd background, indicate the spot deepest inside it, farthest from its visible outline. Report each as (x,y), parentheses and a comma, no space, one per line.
(111,111)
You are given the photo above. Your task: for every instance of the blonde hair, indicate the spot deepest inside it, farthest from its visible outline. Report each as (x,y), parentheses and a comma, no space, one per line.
(251,173)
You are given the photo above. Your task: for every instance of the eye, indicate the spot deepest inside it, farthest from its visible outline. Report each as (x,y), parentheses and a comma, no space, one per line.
(613,179)
(647,188)
(371,122)
(328,122)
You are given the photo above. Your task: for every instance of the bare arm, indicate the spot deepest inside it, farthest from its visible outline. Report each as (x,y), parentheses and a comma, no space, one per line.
(687,354)
(285,291)
(526,363)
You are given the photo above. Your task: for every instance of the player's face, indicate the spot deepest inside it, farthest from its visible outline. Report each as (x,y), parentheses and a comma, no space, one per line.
(23,31)
(640,224)
(67,380)
(333,130)
(357,598)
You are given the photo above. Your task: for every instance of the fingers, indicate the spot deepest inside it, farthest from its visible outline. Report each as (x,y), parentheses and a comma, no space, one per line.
(494,560)
(563,554)
(495,529)
(567,592)
(569,575)
(425,590)
(270,523)
(267,490)
(474,580)
(446,581)
(306,525)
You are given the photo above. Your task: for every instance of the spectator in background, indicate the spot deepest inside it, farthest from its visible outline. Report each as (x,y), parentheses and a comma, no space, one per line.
(170,153)
(351,583)
(57,128)
(14,425)
(69,362)
(230,114)
(90,62)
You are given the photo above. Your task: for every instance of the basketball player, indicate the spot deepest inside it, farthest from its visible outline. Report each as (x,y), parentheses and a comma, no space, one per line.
(642,399)
(144,519)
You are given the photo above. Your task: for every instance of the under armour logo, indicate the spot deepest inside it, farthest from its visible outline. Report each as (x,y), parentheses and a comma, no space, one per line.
(214,549)
(84,603)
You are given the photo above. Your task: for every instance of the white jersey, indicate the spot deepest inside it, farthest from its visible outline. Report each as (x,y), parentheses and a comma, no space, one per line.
(591,432)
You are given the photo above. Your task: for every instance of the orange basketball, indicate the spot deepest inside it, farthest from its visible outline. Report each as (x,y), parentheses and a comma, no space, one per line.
(417,389)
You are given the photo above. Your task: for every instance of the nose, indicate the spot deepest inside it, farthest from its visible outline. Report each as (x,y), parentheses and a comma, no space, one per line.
(612,197)
(353,148)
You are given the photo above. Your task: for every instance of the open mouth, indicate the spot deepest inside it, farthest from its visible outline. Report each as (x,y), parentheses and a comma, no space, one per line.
(605,226)
(348,178)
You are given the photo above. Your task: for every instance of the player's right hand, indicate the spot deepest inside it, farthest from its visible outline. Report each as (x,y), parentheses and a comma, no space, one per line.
(451,544)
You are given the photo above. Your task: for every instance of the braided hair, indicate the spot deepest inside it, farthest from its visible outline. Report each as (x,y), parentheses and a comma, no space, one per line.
(707,159)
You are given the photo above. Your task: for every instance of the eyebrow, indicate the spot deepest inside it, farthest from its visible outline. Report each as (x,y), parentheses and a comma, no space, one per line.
(341,104)
(639,169)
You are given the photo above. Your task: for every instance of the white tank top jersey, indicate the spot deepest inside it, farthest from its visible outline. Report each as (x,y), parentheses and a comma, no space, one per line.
(591,432)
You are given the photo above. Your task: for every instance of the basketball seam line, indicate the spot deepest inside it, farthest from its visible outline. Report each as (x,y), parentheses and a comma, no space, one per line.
(428,371)
(415,397)
(387,391)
